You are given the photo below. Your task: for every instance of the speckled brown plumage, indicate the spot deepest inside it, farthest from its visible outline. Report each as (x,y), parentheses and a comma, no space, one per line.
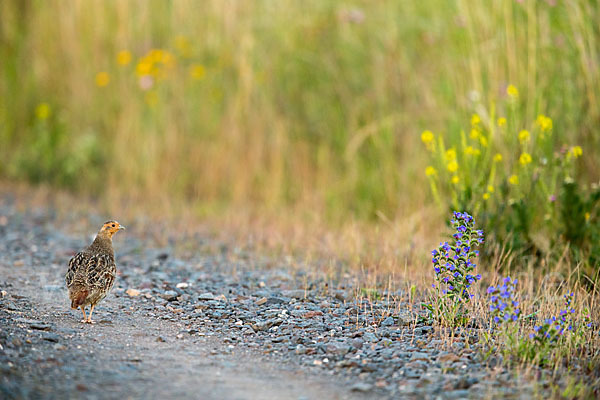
(92,272)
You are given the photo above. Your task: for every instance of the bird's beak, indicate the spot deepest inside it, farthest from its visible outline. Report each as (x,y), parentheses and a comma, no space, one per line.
(121,227)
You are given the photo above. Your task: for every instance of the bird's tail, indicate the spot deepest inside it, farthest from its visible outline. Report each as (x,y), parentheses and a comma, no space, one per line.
(77,297)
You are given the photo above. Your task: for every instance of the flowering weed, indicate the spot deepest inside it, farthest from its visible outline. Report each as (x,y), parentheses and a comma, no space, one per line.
(518,177)
(503,303)
(453,266)
(556,336)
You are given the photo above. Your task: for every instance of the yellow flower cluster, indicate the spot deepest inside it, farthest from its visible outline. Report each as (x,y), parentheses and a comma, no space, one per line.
(430,171)
(488,193)
(429,140)
(575,152)
(501,122)
(102,79)
(512,92)
(124,57)
(42,111)
(524,136)
(155,63)
(544,122)
(525,158)
(452,164)
(472,151)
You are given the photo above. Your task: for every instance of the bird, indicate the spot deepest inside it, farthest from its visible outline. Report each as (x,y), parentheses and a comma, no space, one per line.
(92,271)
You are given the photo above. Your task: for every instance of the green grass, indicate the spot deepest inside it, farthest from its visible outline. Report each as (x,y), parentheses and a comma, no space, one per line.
(312,103)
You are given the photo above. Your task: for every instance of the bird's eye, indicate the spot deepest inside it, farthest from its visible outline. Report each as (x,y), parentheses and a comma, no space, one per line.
(113,225)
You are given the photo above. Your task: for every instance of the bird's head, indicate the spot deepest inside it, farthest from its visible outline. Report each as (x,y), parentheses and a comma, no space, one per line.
(110,228)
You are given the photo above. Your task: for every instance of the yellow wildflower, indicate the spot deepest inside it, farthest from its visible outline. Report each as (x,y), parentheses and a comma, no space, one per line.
(470,150)
(430,171)
(587,216)
(102,79)
(490,189)
(452,166)
(544,122)
(123,57)
(197,71)
(525,158)
(474,133)
(455,179)
(513,180)
(475,120)
(451,154)
(144,67)
(486,196)
(427,137)
(483,140)
(42,111)
(576,151)
(497,157)
(501,121)
(512,91)
(156,55)
(524,136)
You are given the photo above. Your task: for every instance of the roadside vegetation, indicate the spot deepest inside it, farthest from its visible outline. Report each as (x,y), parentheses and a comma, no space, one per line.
(339,132)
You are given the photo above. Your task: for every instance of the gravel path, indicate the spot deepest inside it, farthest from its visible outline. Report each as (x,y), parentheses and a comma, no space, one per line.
(214,325)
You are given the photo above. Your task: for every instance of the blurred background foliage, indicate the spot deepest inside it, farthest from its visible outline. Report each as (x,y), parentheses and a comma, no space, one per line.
(280,104)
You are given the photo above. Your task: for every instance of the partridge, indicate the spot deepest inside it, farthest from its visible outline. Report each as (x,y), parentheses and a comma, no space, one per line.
(92,272)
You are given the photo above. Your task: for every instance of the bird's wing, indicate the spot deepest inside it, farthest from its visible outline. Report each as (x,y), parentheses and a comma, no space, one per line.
(76,265)
(101,271)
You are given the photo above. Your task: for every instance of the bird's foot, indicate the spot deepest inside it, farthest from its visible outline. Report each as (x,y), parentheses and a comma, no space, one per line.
(89,321)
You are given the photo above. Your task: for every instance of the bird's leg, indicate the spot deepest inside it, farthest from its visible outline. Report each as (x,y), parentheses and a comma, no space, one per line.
(89,319)
(84,320)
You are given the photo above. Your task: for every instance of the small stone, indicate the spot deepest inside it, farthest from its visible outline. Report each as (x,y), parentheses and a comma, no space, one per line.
(40,326)
(404,319)
(265,325)
(336,349)
(361,387)
(182,285)
(448,358)
(389,321)
(417,356)
(132,292)
(276,300)
(311,314)
(170,295)
(261,301)
(371,337)
(221,297)
(457,394)
(3,293)
(50,337)
(206,296)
